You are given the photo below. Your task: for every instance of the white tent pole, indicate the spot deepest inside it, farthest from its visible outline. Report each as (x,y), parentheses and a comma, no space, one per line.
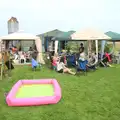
(103,43)
(96,42)
(56,46)
(114,48)
(88,50)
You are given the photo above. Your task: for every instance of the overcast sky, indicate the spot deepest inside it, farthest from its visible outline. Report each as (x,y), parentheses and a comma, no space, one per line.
(38,16)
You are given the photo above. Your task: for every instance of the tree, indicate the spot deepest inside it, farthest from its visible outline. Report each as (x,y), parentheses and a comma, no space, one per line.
(73,46)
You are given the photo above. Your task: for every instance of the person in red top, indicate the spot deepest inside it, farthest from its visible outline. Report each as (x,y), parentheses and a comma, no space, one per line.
(14,49)
(106,60)
(108,57)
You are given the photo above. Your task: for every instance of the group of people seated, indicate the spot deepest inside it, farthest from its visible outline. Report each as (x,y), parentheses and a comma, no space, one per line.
(59,63)
(93,59)
(21,56)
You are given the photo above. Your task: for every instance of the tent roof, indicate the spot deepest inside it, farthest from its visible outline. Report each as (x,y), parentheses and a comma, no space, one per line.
(115,36)
(89,34)
(63,36)
(19,36)
(52,33)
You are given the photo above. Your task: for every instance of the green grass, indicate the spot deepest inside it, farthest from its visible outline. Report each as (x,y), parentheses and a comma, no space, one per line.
(92,97)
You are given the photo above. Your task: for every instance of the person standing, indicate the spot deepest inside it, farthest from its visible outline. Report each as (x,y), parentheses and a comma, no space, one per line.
(81,49)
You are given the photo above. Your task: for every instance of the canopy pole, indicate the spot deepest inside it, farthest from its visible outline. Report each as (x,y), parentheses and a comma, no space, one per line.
(89,48)
(103,43)
(96,42)
(59,48)
(56,46)
(114,46)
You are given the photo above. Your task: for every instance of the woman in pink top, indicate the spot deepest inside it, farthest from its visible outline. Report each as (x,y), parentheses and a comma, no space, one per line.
(54,61)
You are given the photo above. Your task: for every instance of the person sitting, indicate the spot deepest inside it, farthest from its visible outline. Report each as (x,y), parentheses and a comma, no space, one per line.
(61,68)
(92,61)
(54,61)
(34,61)
(108,57)
(30,49)
(106,60)
(65,60)
(14,49)
(34,64)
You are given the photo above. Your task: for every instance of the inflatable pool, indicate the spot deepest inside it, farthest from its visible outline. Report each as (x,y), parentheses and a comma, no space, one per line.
(34,92)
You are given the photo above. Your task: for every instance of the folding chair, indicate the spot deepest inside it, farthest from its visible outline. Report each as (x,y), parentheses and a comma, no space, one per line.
(71,61)
(35,64)
(82,66)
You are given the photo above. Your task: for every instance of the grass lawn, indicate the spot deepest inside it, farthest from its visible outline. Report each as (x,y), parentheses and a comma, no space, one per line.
(92,97)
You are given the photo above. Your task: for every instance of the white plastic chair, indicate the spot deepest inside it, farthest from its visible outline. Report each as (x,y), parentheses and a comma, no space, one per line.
(22,57)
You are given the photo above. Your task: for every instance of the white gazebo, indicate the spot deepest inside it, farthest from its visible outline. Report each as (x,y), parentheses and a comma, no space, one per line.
(88,35)
(23,37)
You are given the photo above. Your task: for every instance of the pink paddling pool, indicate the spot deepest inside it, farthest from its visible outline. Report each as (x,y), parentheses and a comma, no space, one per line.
(34,92)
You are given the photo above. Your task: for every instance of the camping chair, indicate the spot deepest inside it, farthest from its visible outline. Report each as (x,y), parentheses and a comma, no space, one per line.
(48,60)
(71,61)
(22,58)
(35,64)
(82,66)
(93,65)
(106,58)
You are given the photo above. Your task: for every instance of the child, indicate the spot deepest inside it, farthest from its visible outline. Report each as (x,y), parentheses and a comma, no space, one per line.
(54,61)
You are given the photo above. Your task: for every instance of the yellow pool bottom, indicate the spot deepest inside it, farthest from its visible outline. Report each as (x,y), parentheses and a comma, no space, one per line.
(35,90)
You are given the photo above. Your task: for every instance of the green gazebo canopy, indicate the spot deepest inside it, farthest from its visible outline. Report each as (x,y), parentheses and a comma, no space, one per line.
(52,33)
(115,36)
(65,36)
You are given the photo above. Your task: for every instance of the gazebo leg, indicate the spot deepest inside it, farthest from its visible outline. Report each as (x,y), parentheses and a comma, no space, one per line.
(96,42)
